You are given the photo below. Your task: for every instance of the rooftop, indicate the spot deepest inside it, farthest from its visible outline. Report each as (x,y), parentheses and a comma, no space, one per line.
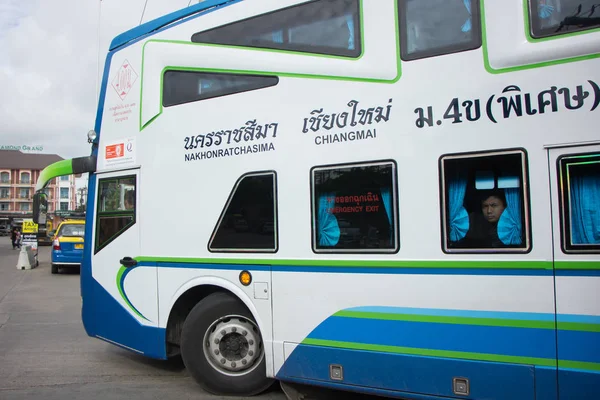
(15,159)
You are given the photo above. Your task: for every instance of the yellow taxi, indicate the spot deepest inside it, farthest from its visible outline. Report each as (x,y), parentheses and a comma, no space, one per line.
(67,246)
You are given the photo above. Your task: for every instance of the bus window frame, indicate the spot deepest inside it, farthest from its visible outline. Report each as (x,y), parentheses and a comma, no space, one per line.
(562,177)
(232,193)
(474,44)
(395,208)
(526,202)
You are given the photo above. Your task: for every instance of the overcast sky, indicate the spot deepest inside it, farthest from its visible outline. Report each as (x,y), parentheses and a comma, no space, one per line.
(52,54)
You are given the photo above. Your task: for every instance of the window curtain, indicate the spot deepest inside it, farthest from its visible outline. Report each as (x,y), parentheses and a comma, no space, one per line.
(350,23)
(466,27)
(277,36)
(585,209)
(510,231)
(545,9)
(386,196)
(328,229)
(458,218)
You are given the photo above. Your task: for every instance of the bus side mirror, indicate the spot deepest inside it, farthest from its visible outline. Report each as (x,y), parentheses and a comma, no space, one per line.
(40,208)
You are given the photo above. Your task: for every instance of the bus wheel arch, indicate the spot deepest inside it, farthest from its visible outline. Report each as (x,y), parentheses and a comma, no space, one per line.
(190,294)
(222,347)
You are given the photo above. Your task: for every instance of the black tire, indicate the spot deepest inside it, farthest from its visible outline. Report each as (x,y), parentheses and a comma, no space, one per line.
(54,269)
(203,315)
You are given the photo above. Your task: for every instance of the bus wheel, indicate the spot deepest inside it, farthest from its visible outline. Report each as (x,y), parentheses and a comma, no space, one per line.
(222,348)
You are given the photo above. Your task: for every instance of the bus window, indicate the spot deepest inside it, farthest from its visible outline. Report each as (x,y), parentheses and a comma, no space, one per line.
(485,202)
(181,87)
(322,27)
(249,221)
(354,208)
(580,180)
(557,17)
(116,209)
(435,27)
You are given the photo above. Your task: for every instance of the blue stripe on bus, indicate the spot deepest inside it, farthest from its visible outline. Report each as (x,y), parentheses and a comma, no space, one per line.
(577,384)
(353,270)
(376,270)
(578,272)
(105,317)
(519,342)
(579,346)
(584,319)
(406,375)
(157,24)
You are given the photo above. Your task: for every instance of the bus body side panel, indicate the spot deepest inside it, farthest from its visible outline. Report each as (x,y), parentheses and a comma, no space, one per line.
(120,303)
(422,317)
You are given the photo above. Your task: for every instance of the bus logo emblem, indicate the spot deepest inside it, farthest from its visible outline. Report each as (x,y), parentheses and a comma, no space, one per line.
(124,79)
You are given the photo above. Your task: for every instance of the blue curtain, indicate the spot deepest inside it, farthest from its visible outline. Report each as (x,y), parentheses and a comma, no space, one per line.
(350,22)
(386,196)
(585,209)
(545,10)
(328,229)
(467,25)
(458,218)
(277,36)
(509,226)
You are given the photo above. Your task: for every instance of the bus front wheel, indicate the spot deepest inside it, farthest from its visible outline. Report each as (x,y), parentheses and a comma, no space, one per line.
(222,347)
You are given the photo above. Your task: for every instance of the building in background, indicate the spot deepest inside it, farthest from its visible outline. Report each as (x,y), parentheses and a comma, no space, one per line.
(19,173)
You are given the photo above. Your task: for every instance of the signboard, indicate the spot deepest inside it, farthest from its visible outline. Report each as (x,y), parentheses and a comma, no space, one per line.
(29,232)
(70,214)
(120,153)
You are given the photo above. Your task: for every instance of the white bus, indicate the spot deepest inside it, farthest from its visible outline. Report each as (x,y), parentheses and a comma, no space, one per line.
(391,197)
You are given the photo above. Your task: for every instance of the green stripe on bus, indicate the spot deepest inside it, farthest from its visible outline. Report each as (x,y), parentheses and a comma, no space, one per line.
(509,323)
(539,265)
(546,362)
(121,291)
(512,323)
(590,366)
(577,265)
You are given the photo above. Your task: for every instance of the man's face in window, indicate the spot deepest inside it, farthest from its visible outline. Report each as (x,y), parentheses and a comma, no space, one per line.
(492,208)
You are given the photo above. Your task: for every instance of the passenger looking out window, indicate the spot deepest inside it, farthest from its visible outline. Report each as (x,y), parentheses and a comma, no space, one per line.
(485,202)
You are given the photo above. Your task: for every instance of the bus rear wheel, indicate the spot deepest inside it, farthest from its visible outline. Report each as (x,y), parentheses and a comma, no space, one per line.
(222,347)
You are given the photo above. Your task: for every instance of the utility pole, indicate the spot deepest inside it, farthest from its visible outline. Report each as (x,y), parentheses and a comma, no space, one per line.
(82,198)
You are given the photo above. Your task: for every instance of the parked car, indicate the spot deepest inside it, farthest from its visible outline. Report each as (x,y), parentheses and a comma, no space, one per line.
(67,246)
(4,230)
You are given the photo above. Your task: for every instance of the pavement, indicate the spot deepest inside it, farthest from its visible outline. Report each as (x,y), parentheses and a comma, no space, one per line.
(46,354)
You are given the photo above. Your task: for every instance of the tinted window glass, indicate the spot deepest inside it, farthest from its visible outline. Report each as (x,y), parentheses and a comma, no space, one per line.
(116,209)
(580,176)
(435,27)
(322,27)
(485,200)
(249,222)
(354,208)
(72,230)
(186,86)
(556,17)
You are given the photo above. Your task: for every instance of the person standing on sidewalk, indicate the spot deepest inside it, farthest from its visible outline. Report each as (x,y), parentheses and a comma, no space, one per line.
(13,237)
